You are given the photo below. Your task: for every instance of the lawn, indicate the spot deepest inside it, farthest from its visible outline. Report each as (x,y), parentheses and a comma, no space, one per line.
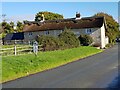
(8,50)
(22,65)
(12,46)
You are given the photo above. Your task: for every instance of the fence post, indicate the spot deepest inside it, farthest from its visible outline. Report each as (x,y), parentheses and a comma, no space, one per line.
(15,50)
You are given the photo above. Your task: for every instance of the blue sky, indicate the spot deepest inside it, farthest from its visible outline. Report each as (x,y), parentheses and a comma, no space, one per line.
(26,10)
(60,0)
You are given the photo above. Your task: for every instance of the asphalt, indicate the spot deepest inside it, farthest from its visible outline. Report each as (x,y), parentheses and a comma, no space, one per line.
(97,71)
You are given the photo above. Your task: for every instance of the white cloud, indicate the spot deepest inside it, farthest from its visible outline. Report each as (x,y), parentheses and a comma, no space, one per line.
(117,19)
(20,18)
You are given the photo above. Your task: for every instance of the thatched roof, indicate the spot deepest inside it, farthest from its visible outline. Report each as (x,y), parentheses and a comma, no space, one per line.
(89,22)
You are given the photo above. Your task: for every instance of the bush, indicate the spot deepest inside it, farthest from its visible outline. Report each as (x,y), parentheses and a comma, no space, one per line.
(85,40)
(96,45)
(69,39)
(49,43)
(66,39)
(109,45)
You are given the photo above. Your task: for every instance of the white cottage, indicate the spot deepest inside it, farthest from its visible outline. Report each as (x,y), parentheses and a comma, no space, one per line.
(93,26)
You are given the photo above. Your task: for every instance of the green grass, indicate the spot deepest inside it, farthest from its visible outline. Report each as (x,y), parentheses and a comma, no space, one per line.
(8,52)
(18,66)
(12,46)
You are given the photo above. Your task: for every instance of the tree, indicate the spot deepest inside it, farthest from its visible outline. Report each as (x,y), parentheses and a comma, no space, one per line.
(12,24)
(112,27)
(69,38)
(47,16)
(7,28)
(11,27)
(20,26)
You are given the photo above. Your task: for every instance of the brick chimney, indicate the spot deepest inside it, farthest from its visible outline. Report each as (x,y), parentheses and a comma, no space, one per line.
(43,18)
(78,15)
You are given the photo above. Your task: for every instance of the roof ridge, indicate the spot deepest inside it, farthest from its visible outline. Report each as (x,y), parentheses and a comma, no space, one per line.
(67,19)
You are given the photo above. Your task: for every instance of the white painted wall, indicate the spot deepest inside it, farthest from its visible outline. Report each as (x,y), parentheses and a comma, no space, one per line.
(106,40)
(103,36)
(95,34)
(29,36)
(98,34)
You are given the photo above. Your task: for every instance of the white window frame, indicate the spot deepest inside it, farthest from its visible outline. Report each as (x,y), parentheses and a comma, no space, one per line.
(30,34)
(88,31)
(47,32)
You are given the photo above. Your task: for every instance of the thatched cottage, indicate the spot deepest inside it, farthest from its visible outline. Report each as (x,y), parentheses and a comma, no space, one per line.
(93,26)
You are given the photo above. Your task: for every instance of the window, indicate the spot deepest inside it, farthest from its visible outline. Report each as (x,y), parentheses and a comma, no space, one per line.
(30,33)
(77,33)
(60,31)
(47,32)
(88,31)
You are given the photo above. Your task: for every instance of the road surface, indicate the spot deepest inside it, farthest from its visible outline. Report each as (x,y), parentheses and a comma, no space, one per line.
(96,71)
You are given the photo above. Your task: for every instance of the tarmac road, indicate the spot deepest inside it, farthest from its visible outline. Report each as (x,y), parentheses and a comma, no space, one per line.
(96,71)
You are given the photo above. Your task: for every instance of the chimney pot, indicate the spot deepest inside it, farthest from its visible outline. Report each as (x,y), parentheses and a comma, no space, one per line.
(78,15)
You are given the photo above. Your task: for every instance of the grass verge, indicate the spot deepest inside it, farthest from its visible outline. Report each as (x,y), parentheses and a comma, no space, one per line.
(18,66)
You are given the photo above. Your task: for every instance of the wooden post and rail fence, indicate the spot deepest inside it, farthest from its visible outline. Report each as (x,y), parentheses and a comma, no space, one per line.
(18,50)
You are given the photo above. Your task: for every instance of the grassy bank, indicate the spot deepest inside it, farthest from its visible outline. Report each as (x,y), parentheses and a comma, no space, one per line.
(18,66)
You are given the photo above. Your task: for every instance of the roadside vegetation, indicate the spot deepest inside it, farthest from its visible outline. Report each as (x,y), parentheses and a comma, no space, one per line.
(57,50)
(22,65)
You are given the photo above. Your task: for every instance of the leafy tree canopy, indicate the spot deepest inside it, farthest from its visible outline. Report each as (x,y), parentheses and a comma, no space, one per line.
(112,26)
(19,27)
(9,28)
(48,16)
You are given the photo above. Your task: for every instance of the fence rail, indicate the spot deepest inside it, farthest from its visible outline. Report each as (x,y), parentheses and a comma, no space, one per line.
(18,50)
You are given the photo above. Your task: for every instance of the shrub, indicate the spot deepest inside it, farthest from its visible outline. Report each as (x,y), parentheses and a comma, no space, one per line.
(85,40)
(109,45)
(49,43)
(96,45)
(69,39)
(66,39)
